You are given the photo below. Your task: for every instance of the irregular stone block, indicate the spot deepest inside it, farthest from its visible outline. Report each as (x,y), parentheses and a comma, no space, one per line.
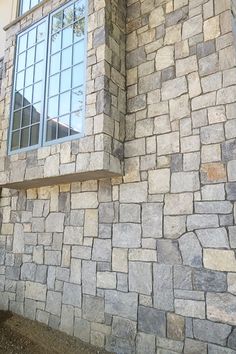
(175,326)
(53,304)
(123,328)
(133,192)
(159,181)
(71,294)
(213,238)
(121,304)
(208,331)
(55,222)
(222,260)
(190,308)
(35,291)
(184,182)
(168,252)
(191,250)
(221,307)
(151,321)
(177,204)
(145,343)
(101,250)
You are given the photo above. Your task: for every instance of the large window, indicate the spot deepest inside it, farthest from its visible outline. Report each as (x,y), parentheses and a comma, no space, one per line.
(48,98)
(26,5)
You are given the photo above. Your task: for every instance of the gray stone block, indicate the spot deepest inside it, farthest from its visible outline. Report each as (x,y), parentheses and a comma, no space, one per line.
(208,280)
(28,271)
(93,308)
(101,250)
(53,303)
(127,235)
(208,331)
(121,304)
(168,252)
(151,321)
(140,277)
(123,328)
(71,294)
(191,250)
(152,220)
(145,343)
(162,287)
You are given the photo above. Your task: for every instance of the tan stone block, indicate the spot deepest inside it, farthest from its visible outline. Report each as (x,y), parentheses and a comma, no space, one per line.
(91,222)
(120,260)
(211,28)
(173,34)
(164,57)
(222,260)
(157,17)
(213,172)
(159,181)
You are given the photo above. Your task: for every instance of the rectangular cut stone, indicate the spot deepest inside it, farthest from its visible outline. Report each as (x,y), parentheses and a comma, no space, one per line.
(120,260)
(168,143)
(199,221)
(140,277)
(133,192)
(159,181)
(84,200)
(192,27)
(143,255)
(177,204)
(152,220)
(186,66)
(213,238)
(71,294)
(190,308)
(222,260)
(73,235)
(126,235)
(222,207)
(18,239)
(89,277)
(184,182)
(121,304)
(179,107)
(208,331)
(162,287)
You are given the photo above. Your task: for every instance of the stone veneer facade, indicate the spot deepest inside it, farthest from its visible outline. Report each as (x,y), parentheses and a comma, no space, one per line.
(143,263)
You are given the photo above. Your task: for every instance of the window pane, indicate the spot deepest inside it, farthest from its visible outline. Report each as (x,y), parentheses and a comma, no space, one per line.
(34,136)
(53,107)
(51,129)
(24,140)
(15,143)
(63,126)
(64,103)
(65,80)
(68,15)
(67,36)
(55,63)
(78,55)
(54,85)
(56,42)
(26,116)
(16,120)
(28,95)
(76,122)
(79,10)
(36,113)
(77,99)
(57,21)
(78,75)
(28,86)
(79,30)
(21,61)
(66,58)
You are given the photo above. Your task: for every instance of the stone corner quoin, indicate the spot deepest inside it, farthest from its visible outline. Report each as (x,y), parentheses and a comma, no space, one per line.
(145,262)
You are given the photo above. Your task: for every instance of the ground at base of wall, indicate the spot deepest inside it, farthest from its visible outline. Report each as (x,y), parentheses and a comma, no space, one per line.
(21,336)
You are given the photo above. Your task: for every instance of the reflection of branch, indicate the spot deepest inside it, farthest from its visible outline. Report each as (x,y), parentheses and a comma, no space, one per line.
(69,19)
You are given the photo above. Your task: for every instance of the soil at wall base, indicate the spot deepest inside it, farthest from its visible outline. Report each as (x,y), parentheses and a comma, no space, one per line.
(22,336)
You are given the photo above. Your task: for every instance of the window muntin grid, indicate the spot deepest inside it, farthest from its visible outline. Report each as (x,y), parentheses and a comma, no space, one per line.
(28,90)
(65,85)
(49,97)
(26,5)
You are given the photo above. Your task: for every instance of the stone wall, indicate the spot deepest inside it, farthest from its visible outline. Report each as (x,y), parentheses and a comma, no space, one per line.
(144,263)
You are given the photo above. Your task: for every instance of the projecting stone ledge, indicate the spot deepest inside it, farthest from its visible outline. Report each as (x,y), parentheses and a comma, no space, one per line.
(21,176)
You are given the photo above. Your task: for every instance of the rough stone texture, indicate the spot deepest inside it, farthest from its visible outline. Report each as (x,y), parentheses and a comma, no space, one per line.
(142,262)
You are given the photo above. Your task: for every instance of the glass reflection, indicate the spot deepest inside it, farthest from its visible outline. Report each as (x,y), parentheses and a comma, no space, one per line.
(18,99)
(53,107)
(26,116)
(55,63)
(67,36)
(79,30)
(76,122)
(20,81)
(78,75)
(29,75)
(64,103)
(24,141)
(30,56)
(34,136)
(57,22)
(63,126)
(79,10)
(35,113)
(77,99)
(51,129)
(78,54)
(39,52)
(56,42)
(28,95)
(54,85)
(68,16)
(16,120)
(66,58)
(38,71)
(65,80)
(15,141)
(37,92)
(21,61)
(40,32)
(32,37)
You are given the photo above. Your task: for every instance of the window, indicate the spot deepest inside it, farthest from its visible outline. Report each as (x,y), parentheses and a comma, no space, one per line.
(48,97)
(26,5)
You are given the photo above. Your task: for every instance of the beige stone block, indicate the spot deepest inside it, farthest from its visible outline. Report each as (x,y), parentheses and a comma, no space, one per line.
(186,66)
(159,181)
(120,260)
(164,57)
(211,153)
(192,27)
(221,260)
(173,34)
(168,143)
(211,28)
(91,222)
(84,200)
(216,114)
(157,17)
(179,107)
